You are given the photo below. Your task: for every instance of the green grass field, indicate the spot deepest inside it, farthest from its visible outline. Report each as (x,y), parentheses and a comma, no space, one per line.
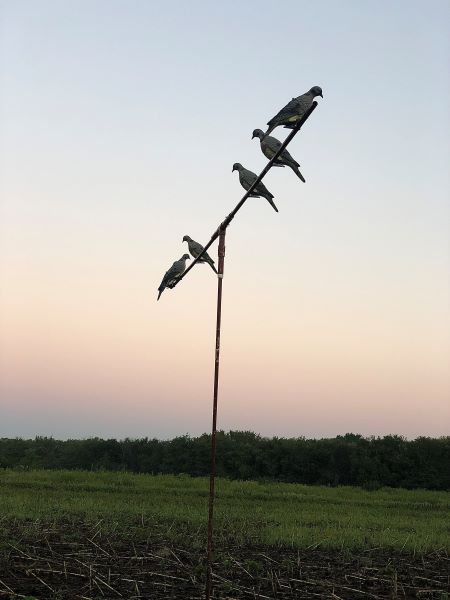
(301,516)
(97,535)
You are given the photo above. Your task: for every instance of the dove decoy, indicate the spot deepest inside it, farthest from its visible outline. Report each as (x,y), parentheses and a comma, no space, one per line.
(196,249)
(173,273)
(270,146)
(294,110)
(247,178)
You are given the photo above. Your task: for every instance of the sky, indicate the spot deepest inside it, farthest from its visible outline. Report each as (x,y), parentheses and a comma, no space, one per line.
(120,123)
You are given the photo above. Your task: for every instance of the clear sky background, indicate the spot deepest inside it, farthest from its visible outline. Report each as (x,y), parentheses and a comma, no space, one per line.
(120,123)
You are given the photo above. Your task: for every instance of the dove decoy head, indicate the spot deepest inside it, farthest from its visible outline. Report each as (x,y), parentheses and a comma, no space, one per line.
(316,91)
(185,257)
(259,133)
(236,167)
(186,238)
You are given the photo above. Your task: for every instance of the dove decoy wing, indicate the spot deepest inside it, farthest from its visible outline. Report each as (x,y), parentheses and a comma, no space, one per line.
(196,249)
(173,273)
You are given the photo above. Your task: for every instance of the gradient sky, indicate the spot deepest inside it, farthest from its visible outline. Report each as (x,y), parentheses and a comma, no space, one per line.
(120,122)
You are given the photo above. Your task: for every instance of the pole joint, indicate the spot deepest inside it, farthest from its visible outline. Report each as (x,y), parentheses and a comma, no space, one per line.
(221,249)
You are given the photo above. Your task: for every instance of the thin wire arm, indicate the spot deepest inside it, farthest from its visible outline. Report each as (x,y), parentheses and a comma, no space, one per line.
(232,214)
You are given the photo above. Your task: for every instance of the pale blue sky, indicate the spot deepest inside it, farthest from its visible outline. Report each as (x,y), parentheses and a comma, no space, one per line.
(120,123)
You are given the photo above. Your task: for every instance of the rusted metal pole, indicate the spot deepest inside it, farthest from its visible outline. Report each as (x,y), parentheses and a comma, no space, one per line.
(220,233)
(212,476)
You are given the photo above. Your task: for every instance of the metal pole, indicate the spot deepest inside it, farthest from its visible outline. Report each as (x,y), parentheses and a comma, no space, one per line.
(212,477)
(220,233)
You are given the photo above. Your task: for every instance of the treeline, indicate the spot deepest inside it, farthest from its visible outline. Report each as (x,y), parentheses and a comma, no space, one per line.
(345,460)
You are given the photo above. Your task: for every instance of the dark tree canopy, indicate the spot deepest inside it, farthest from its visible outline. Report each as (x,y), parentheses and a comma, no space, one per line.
(345,460)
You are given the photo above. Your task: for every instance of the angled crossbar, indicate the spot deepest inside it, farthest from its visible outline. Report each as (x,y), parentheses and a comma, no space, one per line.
(232,214)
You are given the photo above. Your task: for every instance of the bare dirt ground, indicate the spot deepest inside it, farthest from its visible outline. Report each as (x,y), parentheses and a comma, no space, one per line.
(84,562)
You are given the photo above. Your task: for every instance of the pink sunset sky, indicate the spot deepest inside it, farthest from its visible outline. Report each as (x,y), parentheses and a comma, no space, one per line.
(119,131)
